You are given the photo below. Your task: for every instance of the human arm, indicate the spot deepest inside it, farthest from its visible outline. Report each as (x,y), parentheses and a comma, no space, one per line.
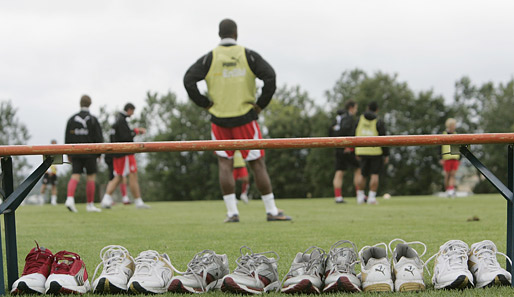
(382,132)
(263,71)
(194,74)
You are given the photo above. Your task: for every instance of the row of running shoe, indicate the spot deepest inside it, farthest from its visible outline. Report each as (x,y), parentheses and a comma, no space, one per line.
(313,271)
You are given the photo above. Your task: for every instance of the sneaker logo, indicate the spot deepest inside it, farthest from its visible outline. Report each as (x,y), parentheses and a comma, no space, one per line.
(79,277)
(380,269)
(410,269)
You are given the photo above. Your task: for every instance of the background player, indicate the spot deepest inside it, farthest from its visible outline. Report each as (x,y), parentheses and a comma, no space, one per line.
(124,164)
(449,161)
(371,158)
(344,125)
(230,71)
(241,174)
(83,128)
(50,178)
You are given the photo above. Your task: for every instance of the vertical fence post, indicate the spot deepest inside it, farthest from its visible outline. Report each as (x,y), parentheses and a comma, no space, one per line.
(8,188)
(510,210)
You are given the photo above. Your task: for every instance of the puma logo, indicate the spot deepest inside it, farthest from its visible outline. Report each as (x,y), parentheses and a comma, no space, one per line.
(410,269)
(380,269)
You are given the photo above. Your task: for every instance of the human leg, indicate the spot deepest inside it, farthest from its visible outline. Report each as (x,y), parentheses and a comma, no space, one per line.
(77,169)
(338,184)
(227,185)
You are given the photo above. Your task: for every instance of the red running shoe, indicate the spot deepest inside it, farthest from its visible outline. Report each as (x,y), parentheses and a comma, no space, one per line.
(68,275)
(36,270)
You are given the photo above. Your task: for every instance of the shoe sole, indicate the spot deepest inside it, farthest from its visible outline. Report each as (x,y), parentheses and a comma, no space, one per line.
(462,282)
(176,286)
(343,284)
(229,285)
(378,288)
(136,288)
(104,286)
(23,288)
(56,288)
(71,209)
(407,287)
(499,280)
(303,287)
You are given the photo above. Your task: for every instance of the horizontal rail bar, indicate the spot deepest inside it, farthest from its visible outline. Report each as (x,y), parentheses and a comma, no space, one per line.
(277,143)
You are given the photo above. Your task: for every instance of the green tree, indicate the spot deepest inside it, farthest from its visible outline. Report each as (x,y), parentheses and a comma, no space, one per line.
(13,132)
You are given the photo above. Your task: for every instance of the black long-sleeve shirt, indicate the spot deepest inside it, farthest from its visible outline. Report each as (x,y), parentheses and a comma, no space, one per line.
(121,131)
(262,70)
(83,127)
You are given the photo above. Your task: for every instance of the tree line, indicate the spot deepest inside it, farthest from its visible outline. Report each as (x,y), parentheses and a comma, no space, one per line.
(298,173)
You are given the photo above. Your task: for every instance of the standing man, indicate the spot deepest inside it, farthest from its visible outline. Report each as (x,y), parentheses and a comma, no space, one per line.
(124,164)
(371,158)
(230,71)
(83,128)
(241,174)
(50,178)
(449,161)
(344,125)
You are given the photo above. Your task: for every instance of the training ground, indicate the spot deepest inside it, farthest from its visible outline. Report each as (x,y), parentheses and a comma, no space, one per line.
(182,229)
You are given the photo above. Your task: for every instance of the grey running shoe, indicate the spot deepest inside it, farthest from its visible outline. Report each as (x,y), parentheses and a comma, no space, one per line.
(255,274)
(279,217)
(306,273)
(203,273)
(340,268)
(232,219)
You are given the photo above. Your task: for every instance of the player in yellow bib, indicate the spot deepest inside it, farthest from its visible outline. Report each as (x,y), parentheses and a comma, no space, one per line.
(230,71)
(449,161)
(372,159)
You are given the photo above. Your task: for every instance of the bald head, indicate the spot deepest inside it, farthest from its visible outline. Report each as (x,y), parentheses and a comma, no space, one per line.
(228,29)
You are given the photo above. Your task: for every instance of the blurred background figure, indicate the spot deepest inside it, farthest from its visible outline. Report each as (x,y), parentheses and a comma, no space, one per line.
(241,175)
(49,179)
(449,161)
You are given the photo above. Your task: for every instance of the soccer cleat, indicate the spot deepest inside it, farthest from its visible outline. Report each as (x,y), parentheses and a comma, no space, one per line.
(244,198)
(204,272)
(37,268)
(90,207)
(70,204)
(68,275)
(255,274)
(118,268)
(140,204)
(340,275)
(153,273)
(106,202)
(407,266)
(279,217)
(306,273)
(232,219)
(126,200)
(340,200)
(372,201)
(53,200)
(375,269)
(484,266)
(451,266)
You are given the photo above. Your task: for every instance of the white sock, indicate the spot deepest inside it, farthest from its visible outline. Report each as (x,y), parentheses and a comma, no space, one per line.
(269,204)
(70,198)
(138,201)
(231,204)
(53,199)
(372,195)
(360,194)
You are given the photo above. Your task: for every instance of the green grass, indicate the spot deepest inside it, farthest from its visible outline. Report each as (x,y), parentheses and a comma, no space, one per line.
(182,229)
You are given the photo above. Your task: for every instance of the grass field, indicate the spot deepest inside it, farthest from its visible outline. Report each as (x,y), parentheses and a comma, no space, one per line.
(182,229)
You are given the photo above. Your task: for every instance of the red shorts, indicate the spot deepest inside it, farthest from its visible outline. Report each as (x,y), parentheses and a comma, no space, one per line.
(247,131)
(124,165)
(240,172)
(451,165)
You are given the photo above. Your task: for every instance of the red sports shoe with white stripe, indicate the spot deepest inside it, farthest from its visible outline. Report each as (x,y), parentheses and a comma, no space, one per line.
(68,275)
(36,270)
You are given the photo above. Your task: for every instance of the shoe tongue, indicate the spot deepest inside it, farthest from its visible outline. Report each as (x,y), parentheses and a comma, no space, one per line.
(114,253)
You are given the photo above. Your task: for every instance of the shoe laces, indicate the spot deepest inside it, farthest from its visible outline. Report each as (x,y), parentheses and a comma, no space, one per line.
(317,256)
(35,259)
(487,251)
(248,262)
(63,261)
(147,260)
(112,257)
(198,266)
(454,253)
(341,263)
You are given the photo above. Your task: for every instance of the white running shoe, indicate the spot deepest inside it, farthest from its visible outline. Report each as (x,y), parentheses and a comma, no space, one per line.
(451,266)
(375,269)
(153,273)
(204,272)
(306,273)
(407,266)
(70,204)
(255,274)
(90,207)
(106,202)
(484,266)
(118,268)
(340,268)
